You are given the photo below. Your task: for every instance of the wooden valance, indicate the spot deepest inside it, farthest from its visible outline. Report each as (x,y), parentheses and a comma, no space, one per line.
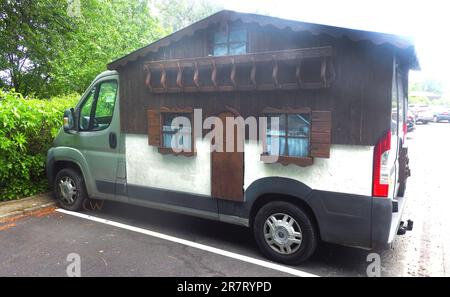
(306,68)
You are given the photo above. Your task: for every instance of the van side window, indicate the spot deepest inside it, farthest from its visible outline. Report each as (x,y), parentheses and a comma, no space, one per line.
(97,110)
(86,108)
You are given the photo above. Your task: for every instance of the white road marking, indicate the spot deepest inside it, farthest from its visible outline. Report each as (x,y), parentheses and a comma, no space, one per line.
(196,245)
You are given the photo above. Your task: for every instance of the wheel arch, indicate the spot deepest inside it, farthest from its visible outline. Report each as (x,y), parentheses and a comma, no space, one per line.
(264,190)
(65,157)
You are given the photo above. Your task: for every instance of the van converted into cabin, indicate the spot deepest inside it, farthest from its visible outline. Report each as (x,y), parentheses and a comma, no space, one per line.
(319,119)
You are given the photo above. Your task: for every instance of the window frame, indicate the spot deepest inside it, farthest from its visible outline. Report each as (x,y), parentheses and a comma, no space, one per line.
(167,150)
(229,29)
(94,106)
(284,159)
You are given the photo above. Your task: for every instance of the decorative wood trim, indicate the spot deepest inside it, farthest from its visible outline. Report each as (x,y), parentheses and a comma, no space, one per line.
(169,151)
(233,73)
(320,134)
(163,77)
(253,73)
(292,55)
(273,58)
(196,76)
(154,127)
(275,73)
(148,78)
(180,77)
(214,74)
(287,160)
(176,110)
(287,110)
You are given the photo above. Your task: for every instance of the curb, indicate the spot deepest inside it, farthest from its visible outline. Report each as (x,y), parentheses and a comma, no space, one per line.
(27,211)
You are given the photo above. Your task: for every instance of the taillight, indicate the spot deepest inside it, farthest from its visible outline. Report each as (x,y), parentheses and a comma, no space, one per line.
(381,172)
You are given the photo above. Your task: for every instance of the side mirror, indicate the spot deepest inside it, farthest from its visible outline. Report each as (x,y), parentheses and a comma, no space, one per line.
(69,121)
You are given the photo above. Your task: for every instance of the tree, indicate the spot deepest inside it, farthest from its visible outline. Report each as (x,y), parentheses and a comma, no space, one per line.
(49,50)
(105,31)
(177,14)
(30,32)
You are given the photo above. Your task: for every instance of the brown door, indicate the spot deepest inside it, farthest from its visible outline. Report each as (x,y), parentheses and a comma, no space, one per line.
(227,169)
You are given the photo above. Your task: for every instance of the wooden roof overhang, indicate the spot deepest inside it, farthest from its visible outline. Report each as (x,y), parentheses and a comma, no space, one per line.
(404,44)
(219,73)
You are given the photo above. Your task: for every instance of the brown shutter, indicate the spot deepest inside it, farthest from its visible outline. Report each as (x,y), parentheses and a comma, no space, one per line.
(154,127)
(320,134)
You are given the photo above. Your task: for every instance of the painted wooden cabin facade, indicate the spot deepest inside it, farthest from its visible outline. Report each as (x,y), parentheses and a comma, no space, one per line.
(342,78)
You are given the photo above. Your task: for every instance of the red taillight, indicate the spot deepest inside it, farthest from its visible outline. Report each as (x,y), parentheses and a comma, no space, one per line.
(380,186)
(405,130)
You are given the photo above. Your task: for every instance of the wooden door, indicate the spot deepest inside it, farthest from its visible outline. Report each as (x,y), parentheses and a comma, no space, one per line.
(227,169)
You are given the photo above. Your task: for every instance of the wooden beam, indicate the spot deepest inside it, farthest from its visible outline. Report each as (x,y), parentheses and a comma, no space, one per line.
(285,55)
(214,73)
(233,73)
(180,77)
(196,78)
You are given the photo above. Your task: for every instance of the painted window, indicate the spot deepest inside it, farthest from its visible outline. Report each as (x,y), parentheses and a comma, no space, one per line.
(291,137)
(175,131)
(230,41)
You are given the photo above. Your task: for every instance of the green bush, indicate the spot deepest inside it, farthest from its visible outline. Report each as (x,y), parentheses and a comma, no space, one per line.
(27,129)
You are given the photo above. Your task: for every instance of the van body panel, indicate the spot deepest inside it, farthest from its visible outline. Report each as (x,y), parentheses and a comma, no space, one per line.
(145,166)
(348,170)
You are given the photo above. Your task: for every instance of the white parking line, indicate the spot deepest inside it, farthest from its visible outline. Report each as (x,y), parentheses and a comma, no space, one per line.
(196,245)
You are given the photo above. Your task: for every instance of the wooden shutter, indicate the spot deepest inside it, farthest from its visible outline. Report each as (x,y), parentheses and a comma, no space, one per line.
(154,127)
(320,134)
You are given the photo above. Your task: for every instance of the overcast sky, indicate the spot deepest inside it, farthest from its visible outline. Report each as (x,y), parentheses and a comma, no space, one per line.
(427,21)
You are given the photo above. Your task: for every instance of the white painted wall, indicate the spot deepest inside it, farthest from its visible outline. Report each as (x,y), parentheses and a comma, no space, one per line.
(147,167)
(348,170)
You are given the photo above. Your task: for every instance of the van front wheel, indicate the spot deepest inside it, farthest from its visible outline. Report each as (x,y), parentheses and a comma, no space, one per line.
(69,189)
(284,232)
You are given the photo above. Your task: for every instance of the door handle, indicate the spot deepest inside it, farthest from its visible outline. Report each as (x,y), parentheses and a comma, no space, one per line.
(112,140)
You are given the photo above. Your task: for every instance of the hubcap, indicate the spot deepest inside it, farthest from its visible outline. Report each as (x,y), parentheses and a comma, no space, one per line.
(282,233)
(67,190)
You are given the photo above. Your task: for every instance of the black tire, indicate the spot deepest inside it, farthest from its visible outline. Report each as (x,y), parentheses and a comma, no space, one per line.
(309,233)
(70,178)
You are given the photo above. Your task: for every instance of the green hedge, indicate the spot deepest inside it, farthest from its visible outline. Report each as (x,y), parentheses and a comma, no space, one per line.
(27,129)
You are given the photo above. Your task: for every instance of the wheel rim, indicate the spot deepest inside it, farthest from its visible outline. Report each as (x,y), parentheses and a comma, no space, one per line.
(282,233)
(68,192)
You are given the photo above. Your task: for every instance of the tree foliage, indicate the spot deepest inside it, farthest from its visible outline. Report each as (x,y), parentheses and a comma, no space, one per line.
(177,14)
(27,128)
(30,32)
(48,51)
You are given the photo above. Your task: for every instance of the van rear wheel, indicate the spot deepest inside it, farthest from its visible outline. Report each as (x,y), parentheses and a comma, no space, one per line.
(285,233)
(69,189)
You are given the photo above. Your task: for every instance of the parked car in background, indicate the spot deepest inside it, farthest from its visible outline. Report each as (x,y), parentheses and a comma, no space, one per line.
(424,114)
(441,114)
(410,121)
